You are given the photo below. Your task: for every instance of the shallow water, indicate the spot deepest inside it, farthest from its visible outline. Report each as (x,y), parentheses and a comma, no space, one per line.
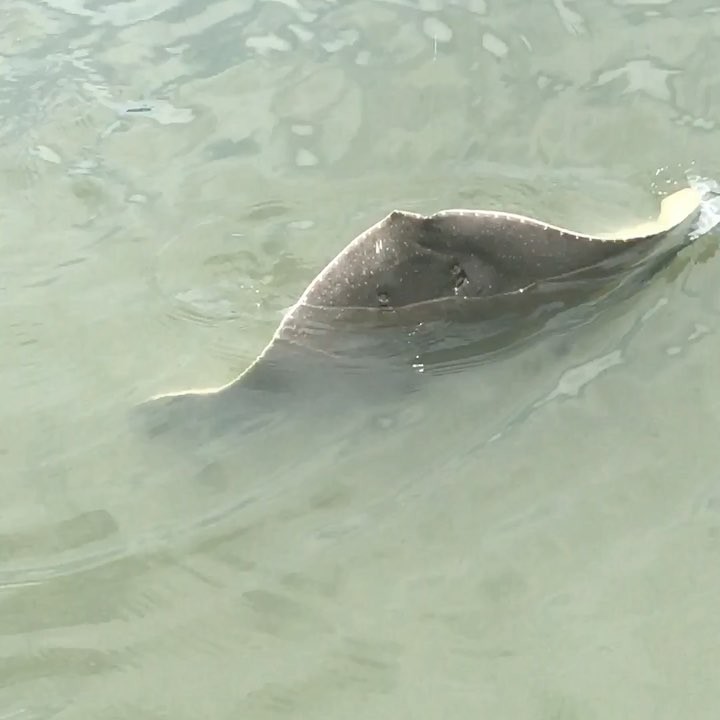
(532,537)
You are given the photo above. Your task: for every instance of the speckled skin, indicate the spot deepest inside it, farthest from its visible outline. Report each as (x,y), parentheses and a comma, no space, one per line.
(407,259)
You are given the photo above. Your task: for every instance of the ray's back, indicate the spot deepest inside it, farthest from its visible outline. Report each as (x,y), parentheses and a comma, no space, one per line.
(408,259)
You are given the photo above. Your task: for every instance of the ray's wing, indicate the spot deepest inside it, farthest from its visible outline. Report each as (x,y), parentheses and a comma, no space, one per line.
(503,252)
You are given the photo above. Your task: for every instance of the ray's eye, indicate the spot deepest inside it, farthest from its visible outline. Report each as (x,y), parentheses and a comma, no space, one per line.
(458,274)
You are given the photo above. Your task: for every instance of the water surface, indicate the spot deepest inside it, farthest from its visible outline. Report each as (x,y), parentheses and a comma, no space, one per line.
(530,538)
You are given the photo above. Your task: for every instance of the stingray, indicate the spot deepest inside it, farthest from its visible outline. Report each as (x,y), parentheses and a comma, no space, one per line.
(413,285)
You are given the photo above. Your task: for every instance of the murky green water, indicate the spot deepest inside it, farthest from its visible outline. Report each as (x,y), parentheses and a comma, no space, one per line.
(534,538)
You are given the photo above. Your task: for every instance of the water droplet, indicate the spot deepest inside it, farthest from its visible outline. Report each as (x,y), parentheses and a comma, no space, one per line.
(437,30)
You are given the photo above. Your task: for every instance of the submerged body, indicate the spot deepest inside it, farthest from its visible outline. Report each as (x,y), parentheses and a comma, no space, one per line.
(406,284)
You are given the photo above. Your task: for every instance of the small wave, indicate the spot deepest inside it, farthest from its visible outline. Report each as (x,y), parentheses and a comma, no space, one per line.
(161,538)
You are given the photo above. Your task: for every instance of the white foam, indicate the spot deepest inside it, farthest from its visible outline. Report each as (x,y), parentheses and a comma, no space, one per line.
(709,205)
(494,45)
(302,130)
(304,158)
(437,30)
(268,43)
(477,6)
(303,34)
(363,58)
(47,154)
